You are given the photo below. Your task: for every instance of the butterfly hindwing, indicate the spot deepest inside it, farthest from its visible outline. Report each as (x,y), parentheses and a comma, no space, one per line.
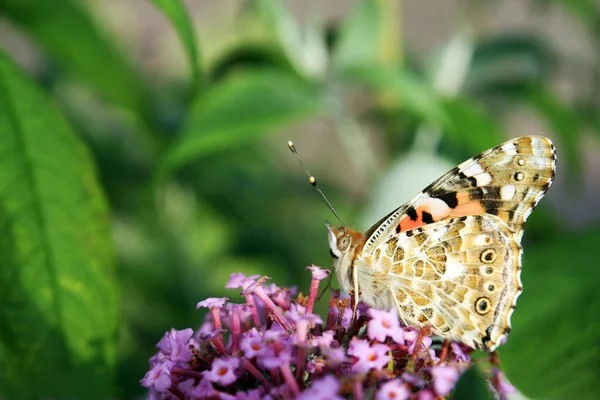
(460,276)
(507,181)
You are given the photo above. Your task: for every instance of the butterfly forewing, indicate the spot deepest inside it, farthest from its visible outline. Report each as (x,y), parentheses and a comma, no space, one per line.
(507,181)
(451,257)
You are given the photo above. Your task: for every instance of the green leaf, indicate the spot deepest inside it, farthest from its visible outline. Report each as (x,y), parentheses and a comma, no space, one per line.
(402,88)
(553,349)
(471,125)
(472,386)
(305,51)
(239,110)
(370,35)
(507,65)
(176,12)
(67,32)
(57,291)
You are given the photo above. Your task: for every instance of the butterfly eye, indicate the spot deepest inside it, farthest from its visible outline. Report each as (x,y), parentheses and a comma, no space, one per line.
(333,254)
(343,243)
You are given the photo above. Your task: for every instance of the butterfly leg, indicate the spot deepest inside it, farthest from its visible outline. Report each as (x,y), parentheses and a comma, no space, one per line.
(444,352)
(356,293)
(426,330)
(326,287)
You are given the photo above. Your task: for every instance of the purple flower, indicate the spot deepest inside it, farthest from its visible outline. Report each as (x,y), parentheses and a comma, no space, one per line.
(282,298)
(279,349)
(326,388)
(503,387)
(346,317)
(425,344)
(275,358)
(393,390)
(204,389)
(324,340)
(187,387)
(384,324)
(223,371)
(334,357)
(240,281)
(318,273)
(410,335)
(252,394)
(252,344)
(412,378)
(444,378)
(459,352)
(426,395)
(159,377)
(272,289)
(298,312)
(368,357)
(175,344)
(295,312)
(213,302)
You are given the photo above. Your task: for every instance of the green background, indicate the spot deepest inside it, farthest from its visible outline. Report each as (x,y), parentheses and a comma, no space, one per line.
(132,186)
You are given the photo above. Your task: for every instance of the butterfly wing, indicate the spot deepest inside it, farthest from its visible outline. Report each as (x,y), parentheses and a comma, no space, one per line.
(460,276)
(507,181)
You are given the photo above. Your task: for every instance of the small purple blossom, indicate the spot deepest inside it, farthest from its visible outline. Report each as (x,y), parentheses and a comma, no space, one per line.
(212,302)
(426,395)
(368,357)
(334,357)
(393,390)
(325,340)
(204,389)
(252,344)
(459,352)
(223,371)
(241,281)
(326,388)
(502,385)
(384,324)
(444,379)
(252,394)
(318,273)
(175,344)
(159,377)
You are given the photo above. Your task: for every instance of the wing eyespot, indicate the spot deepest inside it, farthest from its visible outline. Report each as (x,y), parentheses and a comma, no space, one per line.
(483,305)
(519,176)
(488,256)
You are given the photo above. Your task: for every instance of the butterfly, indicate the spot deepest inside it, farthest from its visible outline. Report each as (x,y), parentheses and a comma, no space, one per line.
(450,258)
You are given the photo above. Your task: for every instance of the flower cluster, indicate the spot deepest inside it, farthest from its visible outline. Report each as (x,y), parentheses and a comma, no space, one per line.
(274,346)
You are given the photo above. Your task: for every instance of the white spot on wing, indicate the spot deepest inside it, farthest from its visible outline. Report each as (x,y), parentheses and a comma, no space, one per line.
(483,179)
(454,270)
(436,235)
(508,192)
(472,169)
(481,240)
(436,207)
(509,148)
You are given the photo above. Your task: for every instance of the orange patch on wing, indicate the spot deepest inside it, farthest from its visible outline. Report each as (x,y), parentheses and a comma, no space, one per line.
(407,223)
(470,208)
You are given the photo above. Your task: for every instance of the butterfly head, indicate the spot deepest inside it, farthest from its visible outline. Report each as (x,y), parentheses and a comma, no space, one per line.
(344,246)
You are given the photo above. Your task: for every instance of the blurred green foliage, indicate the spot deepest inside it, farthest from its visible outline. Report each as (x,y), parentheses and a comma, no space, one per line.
(197,190)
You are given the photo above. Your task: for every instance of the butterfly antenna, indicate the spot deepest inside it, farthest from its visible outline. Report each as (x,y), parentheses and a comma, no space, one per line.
(313,181)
